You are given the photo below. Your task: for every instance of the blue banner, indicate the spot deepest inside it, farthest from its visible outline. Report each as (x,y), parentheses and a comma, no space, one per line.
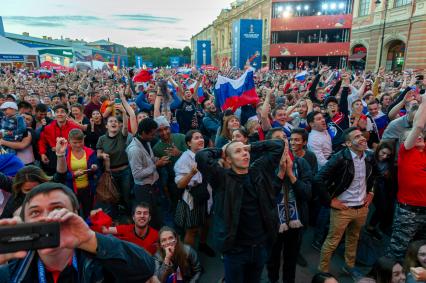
(11,58)
(203,53)
(148,64)
(138,60)
(247,43)
(175,62)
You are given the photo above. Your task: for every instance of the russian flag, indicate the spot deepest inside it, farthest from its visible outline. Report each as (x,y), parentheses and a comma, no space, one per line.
(142,77)
(301,76)
(235,93)
(200,92)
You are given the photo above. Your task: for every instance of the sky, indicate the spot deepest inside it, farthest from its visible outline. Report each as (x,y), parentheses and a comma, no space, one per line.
(140,23)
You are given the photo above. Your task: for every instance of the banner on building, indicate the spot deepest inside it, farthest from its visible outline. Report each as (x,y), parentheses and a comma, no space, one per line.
(83,55)
(175,61)
(247,43)
(139,61)
(203,53)
(11,58)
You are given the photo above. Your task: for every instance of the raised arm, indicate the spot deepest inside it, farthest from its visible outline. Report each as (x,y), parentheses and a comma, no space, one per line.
(129,110)
(197,85)
(157,104)
(264,114)
(343,104)
(207,163)
(418,125)
(398,104)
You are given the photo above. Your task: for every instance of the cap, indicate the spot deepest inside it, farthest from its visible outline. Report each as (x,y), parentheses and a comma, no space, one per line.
(162,121)
(10,95)
(9,104)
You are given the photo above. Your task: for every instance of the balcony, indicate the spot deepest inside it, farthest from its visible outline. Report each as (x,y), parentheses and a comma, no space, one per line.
(309,49)
(312,22)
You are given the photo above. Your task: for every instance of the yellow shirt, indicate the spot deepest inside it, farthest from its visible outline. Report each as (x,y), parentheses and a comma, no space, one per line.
(82,181)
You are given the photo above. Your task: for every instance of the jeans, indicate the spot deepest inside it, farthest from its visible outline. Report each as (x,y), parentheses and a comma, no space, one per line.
(124,181)
(168,199)
(245,264)
(322,225)
(150,194)
(287,245)
(341,221)
(85,198)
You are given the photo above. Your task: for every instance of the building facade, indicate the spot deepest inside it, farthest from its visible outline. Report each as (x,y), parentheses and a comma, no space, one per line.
(220,32)
(66,51)
(310,31)
(111,52)
(389,33)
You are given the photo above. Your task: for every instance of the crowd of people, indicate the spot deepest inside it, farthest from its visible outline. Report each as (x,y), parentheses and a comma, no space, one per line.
(144,176)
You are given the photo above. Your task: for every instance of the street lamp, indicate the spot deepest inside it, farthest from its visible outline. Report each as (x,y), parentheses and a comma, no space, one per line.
(383,31)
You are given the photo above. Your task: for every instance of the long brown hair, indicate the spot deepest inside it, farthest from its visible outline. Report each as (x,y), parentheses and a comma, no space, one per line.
(29,173)
(382,145)
(180,257)
(411,259)
(225,131)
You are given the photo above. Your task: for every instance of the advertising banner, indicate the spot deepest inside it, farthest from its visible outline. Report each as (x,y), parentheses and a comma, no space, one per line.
(83,55)
(203,53)
(138,60)
(11,58)
(247,43)
(175,61)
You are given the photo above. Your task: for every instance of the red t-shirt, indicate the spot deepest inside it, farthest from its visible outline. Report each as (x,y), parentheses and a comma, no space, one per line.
(149,243)
(412,176)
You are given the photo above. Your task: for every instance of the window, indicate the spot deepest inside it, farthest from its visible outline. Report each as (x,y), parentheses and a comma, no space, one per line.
(364,7)
(399,3)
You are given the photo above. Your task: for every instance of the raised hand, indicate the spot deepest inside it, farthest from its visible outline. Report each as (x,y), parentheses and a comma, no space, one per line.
(61,146)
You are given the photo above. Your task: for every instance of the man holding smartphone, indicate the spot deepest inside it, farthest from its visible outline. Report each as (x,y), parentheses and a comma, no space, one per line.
(82,255)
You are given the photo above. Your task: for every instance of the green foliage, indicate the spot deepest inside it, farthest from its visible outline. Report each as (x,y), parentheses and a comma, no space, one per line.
(160,57)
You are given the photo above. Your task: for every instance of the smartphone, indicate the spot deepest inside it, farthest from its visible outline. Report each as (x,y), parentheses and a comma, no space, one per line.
(29,236)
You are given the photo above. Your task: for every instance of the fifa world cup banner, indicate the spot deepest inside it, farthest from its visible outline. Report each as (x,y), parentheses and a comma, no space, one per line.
(203,53)
(247,43)
(175,62)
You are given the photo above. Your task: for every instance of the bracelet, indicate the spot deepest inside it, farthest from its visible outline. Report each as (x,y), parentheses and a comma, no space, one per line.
(60,155)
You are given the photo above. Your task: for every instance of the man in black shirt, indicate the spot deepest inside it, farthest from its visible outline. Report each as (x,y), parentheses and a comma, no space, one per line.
(245,217)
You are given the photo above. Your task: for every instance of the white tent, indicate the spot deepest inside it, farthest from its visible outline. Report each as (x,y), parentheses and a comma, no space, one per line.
(10,47)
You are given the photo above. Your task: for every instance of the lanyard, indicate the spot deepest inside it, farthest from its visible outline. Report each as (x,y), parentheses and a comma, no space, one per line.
(42,271)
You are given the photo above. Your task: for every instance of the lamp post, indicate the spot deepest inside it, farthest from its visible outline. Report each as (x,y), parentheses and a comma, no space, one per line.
(383,31)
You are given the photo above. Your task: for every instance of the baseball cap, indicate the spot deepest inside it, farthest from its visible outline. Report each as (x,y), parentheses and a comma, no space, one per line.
(9,104)
(11,96)
(162,121)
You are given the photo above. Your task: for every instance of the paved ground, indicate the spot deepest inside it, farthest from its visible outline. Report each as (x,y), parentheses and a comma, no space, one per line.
(214,267)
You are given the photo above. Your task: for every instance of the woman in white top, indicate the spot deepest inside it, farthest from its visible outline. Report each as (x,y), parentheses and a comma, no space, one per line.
(191,210)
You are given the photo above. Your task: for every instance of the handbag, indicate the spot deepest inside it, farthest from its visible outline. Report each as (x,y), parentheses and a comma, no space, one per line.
(106,190)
